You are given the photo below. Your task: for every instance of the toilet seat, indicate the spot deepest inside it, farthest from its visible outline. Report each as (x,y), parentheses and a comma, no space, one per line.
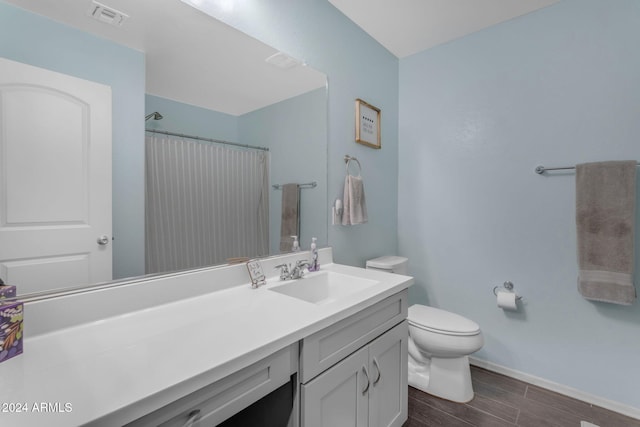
(441,321)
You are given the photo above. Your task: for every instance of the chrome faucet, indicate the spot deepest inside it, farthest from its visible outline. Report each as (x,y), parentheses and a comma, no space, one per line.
(297,272)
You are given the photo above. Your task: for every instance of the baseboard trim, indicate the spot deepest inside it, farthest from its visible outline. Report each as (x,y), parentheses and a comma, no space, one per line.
(611,405)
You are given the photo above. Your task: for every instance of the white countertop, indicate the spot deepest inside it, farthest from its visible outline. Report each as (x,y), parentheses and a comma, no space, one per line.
(112,371)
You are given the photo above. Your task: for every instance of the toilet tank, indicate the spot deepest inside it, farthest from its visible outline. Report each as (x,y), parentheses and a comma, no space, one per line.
(390,264)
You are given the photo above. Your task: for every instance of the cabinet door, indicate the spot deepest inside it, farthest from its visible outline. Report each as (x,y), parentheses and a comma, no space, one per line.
(339,396)
(388,371)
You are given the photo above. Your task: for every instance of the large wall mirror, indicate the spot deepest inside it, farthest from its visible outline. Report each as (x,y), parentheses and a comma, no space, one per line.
(206,85)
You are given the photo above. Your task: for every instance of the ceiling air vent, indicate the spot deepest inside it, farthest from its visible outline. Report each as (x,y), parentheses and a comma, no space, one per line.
(107,14)
(282,60)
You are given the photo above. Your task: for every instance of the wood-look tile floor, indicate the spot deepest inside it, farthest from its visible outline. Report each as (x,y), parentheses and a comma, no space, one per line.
(503,401)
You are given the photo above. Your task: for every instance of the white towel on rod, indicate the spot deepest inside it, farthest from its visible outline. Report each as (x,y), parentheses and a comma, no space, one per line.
(353,201)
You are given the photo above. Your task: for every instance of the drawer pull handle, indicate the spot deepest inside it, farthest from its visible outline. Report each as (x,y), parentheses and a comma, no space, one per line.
(194,417)
(375,363)
(366,374)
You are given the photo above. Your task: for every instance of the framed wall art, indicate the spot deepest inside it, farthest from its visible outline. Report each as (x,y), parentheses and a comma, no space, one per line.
(367,124)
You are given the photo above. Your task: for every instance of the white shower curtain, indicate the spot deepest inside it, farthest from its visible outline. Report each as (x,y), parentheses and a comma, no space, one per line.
(204,203)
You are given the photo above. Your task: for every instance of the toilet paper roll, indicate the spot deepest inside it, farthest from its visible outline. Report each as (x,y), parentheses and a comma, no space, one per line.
(507,300)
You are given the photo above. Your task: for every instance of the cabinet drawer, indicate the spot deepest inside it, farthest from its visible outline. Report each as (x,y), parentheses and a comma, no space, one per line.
(222,399)
(332,344)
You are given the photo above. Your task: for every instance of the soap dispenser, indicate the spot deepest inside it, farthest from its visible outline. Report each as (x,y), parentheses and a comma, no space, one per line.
(314,265)
(295,247)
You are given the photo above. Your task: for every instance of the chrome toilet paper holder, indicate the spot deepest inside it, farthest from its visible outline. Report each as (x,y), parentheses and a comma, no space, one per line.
(508,285)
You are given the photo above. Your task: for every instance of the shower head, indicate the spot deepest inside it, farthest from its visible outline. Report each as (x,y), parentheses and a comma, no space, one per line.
(155,115)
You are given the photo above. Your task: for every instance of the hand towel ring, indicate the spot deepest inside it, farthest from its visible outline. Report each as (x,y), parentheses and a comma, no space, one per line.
(348,159)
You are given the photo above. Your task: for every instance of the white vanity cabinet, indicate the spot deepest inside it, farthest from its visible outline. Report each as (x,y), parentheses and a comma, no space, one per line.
(215,403)
(366,385)
(254,357)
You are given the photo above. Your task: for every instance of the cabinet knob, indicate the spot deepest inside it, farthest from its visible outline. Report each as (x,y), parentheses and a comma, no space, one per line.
(375,363)
(366,374)
(194,417)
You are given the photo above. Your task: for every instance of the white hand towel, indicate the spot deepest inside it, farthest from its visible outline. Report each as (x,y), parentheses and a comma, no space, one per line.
(353,202)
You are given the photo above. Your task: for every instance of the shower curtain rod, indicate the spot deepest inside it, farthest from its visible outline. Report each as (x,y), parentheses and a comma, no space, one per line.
(199,138)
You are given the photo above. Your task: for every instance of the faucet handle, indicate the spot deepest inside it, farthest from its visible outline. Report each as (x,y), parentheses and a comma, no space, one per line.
(298,270)
(284,271)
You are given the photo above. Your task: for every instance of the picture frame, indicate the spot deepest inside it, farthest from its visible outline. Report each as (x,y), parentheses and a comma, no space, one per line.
(367,124)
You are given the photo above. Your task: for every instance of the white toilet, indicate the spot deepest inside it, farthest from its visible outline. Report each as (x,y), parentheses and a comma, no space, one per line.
(440,343)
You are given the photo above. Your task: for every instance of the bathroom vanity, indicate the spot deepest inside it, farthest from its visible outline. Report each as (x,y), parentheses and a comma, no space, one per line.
(369,386)
(201,346)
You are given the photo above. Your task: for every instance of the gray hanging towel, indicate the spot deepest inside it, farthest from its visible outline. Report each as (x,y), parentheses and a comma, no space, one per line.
(605,219)
(290,212)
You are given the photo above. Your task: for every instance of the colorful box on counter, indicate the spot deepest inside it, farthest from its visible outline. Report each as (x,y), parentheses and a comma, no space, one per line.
(11,327)
(6,291)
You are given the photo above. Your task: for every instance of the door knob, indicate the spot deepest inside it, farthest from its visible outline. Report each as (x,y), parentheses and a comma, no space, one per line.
(103,240)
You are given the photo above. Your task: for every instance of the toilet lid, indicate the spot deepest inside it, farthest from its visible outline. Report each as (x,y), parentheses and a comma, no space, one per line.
(441,321)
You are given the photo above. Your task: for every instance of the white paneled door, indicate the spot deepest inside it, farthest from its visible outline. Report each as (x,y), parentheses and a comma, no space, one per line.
(55,179)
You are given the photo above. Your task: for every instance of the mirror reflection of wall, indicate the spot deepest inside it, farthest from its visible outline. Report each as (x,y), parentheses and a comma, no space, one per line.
(295,131)
(62,38)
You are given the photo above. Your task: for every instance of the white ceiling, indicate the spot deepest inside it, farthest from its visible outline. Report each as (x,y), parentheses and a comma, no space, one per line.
(195,59)
(406,27)
(190,57)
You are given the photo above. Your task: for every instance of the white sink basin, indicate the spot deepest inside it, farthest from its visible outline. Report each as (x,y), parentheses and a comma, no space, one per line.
(323,287)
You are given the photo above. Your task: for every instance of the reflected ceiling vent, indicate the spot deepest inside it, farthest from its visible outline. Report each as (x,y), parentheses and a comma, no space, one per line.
(107,14)
(282,60)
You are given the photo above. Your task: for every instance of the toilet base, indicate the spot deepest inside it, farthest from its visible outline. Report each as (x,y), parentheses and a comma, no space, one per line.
(446,378)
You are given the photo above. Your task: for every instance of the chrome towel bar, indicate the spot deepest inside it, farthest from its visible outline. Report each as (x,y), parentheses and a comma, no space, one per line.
(348,159)
(541,169)
(312,184)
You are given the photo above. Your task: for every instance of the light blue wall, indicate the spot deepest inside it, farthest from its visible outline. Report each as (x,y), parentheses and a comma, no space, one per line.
(357,67)
(556,87)
(295,131)
(34,40)
(191,120)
